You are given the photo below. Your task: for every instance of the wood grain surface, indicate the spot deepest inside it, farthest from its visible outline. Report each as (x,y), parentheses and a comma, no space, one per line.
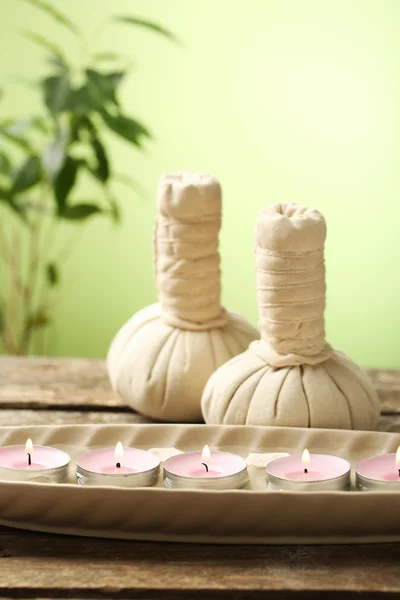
(82,384)
(43,565)
(33,565)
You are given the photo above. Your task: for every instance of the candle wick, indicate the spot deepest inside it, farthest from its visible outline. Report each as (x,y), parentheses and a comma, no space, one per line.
(29,459)
(305,471)
(207,467)
(118,465)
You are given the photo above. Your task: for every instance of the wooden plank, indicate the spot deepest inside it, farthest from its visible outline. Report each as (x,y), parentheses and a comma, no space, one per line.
(68,417)
(41,565)
(56,383)
(80,383)
(73,417)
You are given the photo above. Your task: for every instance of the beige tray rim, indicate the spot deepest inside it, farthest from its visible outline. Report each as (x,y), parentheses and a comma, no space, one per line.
(203,516)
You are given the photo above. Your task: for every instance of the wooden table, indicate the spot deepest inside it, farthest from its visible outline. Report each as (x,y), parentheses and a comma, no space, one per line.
(35,565)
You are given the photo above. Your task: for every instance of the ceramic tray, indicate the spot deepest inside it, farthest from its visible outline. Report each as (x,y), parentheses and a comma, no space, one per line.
(249,516)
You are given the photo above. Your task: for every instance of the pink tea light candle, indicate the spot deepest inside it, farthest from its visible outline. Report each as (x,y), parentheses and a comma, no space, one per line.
(380,472)
(125,467)
(205,470)
(33,463)
(309,472)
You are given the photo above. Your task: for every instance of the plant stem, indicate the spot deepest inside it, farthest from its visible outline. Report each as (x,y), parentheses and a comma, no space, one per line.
(4,248)
(12,309)
(69,246)
(35,230)
(93,38)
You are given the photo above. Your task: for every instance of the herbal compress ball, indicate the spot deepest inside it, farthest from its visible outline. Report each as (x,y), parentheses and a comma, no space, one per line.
(161,359)
(291,376)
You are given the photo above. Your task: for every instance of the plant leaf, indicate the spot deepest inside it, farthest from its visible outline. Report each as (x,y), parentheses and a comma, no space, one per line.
(18,140)
(105,83)
(102,170)
(53,274)
(28,175)
(115,212)
(5,164)
(40,124)
(56,90)
(107,56)
(80,212)
(41,41)
(22,125)
(128,128)
(78,101)
(85,99)
(147,25)
(5,195)
(18,127)
(7,198)
(55,14)
(64,183)
(58,62)
(54,154)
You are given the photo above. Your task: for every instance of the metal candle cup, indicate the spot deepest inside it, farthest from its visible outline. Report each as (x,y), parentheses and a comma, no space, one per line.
(205,470)
(124,467)
(379,473)
(315,472)
(33,463)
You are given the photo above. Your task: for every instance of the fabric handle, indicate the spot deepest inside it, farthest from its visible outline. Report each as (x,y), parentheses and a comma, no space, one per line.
(187,261)
(290,275)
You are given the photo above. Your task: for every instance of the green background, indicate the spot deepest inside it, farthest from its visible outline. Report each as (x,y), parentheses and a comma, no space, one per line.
(283,100)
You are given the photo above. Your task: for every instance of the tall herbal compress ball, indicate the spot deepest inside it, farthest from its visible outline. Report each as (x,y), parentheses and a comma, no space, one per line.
(291,376)
(161,359)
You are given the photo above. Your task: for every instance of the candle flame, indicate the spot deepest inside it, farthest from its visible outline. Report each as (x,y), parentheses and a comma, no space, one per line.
(305,457)
(205,455)
(28,446)
(398,456)
(119,450)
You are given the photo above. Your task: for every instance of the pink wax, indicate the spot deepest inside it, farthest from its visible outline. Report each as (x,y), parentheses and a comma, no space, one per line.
(320,468)
(30,467)
(191,464)
(308,476)
(42,457)
(204,473)
(322,472)
(114,470)
(380,468)
(104,461)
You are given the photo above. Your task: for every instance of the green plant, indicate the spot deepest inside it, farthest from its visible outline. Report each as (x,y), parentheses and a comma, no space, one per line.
(41,159)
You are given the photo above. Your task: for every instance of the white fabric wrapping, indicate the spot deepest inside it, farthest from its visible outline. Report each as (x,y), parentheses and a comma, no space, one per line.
(162,357)
(291,377)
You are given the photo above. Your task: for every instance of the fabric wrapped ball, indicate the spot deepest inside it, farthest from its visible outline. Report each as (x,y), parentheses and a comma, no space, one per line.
(334,394)
(291,376)
(161,370)
(161,359)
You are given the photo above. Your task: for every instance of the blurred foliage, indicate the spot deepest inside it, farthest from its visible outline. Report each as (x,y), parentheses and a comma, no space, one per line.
(42,157)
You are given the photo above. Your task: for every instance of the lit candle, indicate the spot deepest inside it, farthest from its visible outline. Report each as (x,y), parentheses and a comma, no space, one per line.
(126,467)
(309,472)
(380,472)
(33,463)
(205,470)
